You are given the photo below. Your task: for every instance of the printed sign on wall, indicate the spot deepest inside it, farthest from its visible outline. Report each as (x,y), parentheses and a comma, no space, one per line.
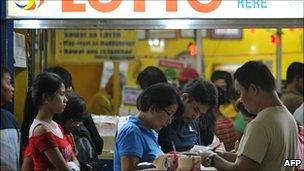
(95,45)
(171,69)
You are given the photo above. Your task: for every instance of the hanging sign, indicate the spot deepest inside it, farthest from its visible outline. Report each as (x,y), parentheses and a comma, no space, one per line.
(19,50)
(171,69)
(154,9)
(95,45)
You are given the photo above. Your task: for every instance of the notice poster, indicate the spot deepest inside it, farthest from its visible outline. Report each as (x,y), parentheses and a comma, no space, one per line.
(87,45)
(19,50)
(130,95)
(171,69)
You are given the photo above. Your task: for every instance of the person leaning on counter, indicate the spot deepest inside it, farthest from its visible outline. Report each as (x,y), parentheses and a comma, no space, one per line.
(198,97)
(137,140)
(271,137)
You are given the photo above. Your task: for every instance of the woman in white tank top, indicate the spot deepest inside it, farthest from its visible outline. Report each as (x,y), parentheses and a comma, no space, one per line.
(49,147)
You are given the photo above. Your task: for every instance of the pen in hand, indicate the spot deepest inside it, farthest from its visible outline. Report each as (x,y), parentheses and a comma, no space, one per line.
(215,147)
(173,146)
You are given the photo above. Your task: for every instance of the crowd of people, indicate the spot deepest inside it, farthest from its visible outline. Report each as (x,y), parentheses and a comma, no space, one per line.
(57,131)
(259,128)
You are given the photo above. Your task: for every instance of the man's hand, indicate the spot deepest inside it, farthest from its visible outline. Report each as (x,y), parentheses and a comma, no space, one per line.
(205,155)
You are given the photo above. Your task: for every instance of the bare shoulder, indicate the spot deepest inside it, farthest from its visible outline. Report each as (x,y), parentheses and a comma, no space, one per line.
(40,130)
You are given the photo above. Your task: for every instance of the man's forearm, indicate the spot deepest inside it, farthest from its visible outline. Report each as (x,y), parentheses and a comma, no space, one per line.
(228,156)
(222,164)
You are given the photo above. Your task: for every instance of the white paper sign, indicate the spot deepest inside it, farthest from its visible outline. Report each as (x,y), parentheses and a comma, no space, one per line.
(19,50)
(108,70)
(130,95)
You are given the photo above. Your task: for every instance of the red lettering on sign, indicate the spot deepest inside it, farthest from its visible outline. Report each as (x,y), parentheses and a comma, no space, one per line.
(104,7)
(204,7)
(69,6)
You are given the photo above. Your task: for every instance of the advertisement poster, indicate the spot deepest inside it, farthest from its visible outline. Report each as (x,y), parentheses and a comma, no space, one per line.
(171,68)
(87,45)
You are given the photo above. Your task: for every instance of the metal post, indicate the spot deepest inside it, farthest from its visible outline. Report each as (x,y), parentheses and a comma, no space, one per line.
(116,88)
(6,45)
(31,58)
(199,60)
(279,60)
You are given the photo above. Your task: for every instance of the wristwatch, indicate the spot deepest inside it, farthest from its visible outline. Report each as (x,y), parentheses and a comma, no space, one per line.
(209,159)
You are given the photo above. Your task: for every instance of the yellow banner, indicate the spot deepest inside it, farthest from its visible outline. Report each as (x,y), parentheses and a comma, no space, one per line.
(87,45)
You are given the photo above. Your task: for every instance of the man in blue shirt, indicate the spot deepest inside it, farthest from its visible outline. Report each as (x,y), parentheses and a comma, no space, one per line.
(9,132)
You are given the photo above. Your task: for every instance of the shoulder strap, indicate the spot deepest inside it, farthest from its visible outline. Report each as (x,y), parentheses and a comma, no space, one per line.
(36,122)
(33,126)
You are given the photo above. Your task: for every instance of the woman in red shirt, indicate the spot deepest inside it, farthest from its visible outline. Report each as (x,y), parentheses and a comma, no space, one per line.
(224,128)
(48,146)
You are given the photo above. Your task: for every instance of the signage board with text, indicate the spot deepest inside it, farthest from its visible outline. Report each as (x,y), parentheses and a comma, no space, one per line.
(95,45)
(154,9)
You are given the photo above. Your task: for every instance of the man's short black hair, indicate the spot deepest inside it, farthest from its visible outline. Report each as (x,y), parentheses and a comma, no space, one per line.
(63,73)
(202,91)
(257,73)
(149,76)
(4,70)
(294,69)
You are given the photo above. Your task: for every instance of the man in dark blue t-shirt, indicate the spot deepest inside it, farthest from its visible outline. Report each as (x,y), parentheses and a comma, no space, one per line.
(198,97)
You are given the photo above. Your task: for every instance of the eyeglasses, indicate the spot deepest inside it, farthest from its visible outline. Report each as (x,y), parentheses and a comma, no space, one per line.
(196,109)
(171,116)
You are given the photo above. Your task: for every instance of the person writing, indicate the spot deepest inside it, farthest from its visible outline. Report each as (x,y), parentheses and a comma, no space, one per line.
(137,140)
(271,137)
(198,97)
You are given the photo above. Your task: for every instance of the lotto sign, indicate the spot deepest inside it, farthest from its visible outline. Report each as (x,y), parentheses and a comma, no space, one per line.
(156,9)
